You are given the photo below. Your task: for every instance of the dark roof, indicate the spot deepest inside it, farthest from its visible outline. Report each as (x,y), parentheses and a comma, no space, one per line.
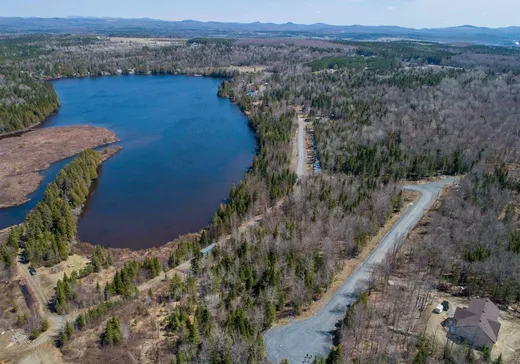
(481,313)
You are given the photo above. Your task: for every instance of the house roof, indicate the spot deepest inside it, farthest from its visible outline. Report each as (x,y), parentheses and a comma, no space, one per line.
(481,313)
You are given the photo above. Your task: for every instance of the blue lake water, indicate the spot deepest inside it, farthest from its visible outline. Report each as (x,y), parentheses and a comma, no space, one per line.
(184,147)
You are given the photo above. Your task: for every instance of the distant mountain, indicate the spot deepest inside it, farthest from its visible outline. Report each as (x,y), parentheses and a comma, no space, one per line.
(191,28)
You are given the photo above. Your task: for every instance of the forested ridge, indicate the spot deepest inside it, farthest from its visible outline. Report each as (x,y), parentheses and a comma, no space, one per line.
(381,113)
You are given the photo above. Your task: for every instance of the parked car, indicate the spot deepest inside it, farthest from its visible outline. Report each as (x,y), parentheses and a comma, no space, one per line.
(439,308)
(445,305)
(32,271)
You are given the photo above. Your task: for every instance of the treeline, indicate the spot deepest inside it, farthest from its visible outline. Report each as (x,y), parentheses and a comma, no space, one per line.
(49,228)
(104,57)
(494,59)
(353,62)
(24,101)
(409,51)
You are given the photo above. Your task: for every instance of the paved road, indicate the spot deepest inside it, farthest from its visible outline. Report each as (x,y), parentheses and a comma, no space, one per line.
(302,153)
(312,336)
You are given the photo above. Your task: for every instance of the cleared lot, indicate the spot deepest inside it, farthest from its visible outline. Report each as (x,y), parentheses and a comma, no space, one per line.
(508,343)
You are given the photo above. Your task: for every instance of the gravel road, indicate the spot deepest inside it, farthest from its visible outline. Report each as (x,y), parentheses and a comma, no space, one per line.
(299,339)
(302,153)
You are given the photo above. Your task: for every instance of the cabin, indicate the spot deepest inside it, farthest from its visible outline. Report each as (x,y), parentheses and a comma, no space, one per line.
(478,324)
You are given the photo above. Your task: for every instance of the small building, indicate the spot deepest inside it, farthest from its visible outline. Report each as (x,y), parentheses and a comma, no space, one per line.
(478,324)
(208,249)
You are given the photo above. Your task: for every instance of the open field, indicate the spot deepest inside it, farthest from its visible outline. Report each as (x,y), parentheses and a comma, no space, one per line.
(22,157)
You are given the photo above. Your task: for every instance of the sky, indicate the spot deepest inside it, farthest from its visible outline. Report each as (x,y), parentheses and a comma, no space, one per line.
(409,13)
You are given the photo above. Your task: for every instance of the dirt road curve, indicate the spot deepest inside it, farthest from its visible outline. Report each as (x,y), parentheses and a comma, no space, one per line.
(56,322)
(312,336)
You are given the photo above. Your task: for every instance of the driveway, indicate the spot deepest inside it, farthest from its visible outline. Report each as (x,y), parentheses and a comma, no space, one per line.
(296,340)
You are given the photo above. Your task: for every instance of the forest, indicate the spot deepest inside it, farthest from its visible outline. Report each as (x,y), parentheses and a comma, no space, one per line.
(381,113)
(24,101)
(355,62)
(46,234)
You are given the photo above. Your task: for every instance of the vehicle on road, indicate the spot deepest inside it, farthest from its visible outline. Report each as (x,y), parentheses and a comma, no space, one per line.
(439,308)
(32,271)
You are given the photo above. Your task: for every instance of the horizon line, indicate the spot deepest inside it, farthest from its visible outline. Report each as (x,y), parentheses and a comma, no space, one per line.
(249,23)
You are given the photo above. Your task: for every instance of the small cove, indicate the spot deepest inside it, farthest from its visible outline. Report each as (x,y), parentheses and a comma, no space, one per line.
(184,147)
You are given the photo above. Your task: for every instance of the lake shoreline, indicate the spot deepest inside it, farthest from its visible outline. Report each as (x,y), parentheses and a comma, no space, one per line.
(35,151)
(175,237)
(231,152)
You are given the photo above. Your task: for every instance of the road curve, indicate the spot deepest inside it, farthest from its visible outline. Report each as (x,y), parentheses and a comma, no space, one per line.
(296,340)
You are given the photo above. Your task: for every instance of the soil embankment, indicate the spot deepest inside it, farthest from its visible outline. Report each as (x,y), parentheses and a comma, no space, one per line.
(22,157)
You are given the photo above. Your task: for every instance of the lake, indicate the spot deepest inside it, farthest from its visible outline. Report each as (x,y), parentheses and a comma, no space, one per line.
(184,147)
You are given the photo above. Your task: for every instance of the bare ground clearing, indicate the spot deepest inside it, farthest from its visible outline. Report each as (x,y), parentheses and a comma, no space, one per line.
(22,157)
